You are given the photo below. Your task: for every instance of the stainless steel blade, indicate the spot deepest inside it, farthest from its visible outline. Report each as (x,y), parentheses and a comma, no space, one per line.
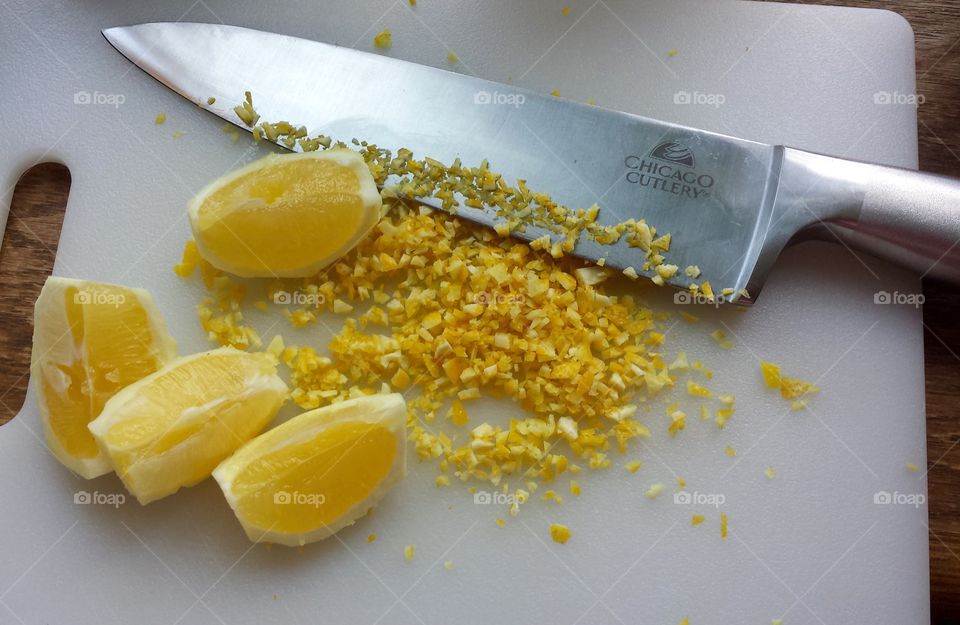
(713,193)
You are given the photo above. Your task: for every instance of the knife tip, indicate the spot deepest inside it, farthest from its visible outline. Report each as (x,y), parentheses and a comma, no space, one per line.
(110,34)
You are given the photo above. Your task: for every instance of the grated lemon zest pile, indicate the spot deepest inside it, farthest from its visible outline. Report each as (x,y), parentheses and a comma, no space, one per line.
(459,312)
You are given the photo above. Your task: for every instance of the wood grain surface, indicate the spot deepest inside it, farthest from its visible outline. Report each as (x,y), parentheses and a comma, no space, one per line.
(33,229)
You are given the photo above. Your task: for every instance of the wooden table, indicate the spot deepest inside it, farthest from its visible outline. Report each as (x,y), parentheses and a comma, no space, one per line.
(33,229)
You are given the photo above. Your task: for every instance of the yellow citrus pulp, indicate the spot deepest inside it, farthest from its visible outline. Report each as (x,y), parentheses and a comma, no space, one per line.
(318,472)
(286,216)
(90,340)
(174,426)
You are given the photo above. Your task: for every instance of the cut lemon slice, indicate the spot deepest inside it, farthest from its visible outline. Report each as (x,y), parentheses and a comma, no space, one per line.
(90,339)
(286,216)
(174,426)
(318,472)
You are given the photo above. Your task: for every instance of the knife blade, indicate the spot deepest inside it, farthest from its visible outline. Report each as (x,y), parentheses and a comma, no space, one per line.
(731,205)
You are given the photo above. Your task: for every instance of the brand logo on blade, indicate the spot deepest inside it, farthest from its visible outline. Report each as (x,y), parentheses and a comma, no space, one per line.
(669,167)
(673,152)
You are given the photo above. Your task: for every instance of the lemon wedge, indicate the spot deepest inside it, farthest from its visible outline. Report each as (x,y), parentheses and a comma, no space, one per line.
(318,472)
(90,339)
(174,426)
(286,216)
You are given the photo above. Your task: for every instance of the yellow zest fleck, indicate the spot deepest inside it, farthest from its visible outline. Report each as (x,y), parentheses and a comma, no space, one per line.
(678,421)
(633,466)
(723,525)
(441,481)
(408,552)
(912,467)
(697,390)
(680,363)
(565,10)
(553,496)
(160,118)
(697,519)
(245,111)
(792,388)
(771,374)
(698,366)
(555,93)
(575,488)
(458,414)
(720,337)
(340,307)
(770,473)
(383,39)
(190,260)
(371,538)
(448,564)
(730,451)
(560,533)
(501,522)
(452,57)
(654,491)
(722,415)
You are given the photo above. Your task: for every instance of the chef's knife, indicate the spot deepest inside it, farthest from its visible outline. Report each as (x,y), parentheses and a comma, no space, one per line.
(731,205)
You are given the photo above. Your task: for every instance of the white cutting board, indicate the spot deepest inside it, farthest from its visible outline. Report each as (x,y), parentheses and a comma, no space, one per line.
(810,546)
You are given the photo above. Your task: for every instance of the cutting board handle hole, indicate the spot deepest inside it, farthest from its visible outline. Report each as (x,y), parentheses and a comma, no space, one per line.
(27,252)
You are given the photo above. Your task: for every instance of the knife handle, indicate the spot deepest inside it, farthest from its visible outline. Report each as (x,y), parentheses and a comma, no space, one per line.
(907,217)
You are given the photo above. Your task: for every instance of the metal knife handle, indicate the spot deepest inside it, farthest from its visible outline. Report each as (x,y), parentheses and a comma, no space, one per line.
(907,217)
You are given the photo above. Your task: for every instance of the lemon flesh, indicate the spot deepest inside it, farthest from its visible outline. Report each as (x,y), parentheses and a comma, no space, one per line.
(318,472)
(90,340)
(170,429)
(286,215)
